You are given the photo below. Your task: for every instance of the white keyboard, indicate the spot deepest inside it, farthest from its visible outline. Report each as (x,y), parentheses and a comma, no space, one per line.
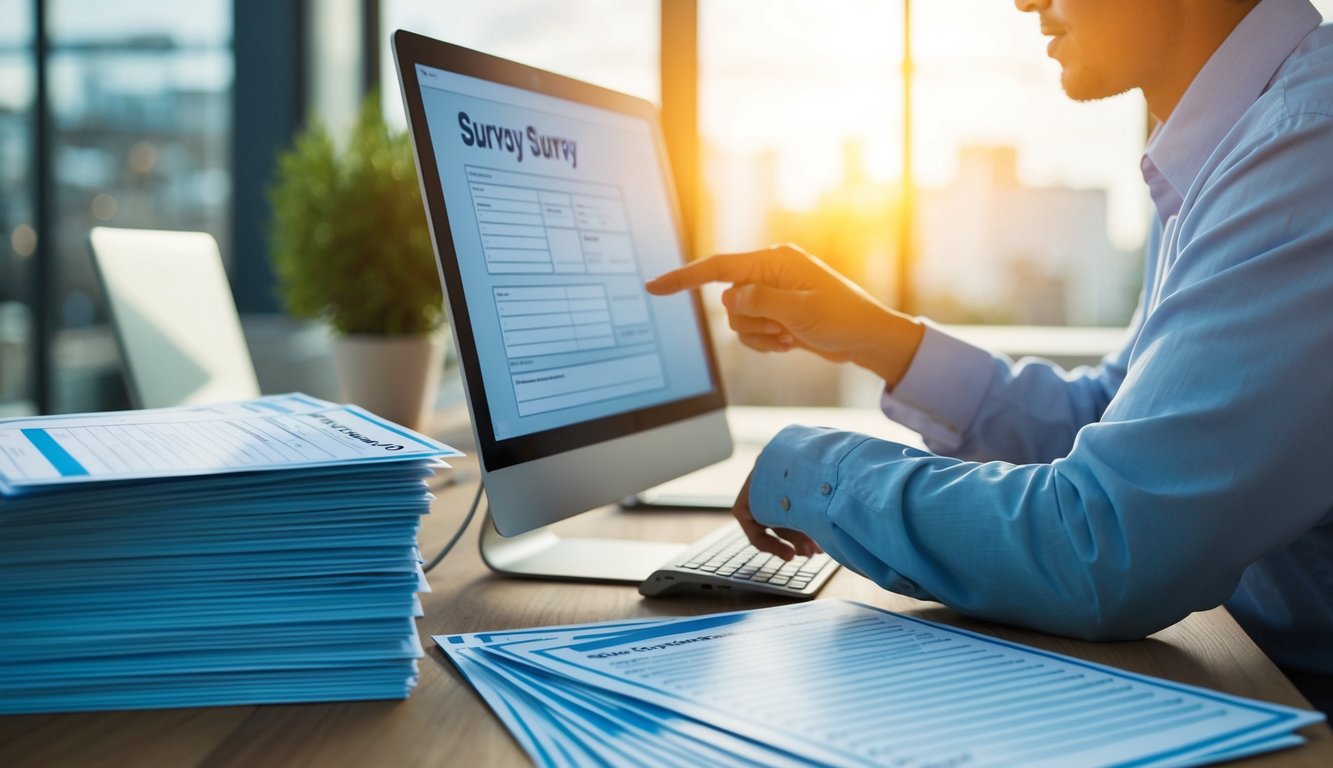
(725,560)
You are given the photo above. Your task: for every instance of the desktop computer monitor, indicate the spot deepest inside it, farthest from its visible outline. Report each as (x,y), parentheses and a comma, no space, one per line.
(550,202)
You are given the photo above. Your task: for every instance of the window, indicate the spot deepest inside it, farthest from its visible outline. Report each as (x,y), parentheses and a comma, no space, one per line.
(1011,220)
(141,111)
(1018,222)
(800,110)
(801,124)
(18,238)
(803,120)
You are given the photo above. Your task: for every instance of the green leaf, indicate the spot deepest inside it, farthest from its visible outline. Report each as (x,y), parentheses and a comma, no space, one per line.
(349,240)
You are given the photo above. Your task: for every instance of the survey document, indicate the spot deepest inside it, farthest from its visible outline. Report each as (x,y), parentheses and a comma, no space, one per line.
(543,717)
(256,552)
(559,211)
(840,683)
(276,432)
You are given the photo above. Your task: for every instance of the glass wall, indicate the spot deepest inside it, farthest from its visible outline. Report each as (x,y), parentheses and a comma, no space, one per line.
(1014,221)
(18,238)
(140,96)
(1018,221)
(800,108)
(800,112)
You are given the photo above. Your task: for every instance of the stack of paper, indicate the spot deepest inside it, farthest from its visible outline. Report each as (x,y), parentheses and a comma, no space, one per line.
(240,554)
(839,683)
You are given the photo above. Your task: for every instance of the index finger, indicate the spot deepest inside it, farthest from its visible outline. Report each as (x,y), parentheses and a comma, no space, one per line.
(724,267)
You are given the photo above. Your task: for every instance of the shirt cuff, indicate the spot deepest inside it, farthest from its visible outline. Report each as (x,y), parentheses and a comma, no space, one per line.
(796,476)
(941,392)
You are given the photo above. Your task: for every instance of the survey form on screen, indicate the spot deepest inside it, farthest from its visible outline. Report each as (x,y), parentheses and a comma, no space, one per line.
(558,211)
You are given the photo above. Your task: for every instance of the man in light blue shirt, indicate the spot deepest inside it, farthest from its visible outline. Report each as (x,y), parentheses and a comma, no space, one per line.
(1192,467)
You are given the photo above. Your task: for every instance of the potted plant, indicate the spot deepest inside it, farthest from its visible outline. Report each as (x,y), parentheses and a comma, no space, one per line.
(350,246)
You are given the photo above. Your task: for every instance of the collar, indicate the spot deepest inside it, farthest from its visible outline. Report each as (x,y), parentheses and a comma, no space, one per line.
(1237,73)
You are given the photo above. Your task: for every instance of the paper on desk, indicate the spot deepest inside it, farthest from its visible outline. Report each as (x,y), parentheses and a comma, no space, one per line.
(279,432)
(563,723)
(846,684)
(524,713)
(247,553)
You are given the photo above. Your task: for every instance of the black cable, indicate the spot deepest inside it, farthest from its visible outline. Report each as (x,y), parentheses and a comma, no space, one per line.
(459,533)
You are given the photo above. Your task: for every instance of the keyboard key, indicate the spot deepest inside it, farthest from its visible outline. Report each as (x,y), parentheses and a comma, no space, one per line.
(814,566)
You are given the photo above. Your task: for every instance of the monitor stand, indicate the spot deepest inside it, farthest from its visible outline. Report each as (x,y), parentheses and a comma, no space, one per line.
(541,554)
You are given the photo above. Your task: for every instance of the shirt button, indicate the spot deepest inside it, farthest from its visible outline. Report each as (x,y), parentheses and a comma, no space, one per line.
(785,504)
(825,489)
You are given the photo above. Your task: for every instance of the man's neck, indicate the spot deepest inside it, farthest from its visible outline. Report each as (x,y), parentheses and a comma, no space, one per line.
(1197,40)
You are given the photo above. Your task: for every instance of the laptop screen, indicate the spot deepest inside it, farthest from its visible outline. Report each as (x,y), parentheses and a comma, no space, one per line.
(558,211)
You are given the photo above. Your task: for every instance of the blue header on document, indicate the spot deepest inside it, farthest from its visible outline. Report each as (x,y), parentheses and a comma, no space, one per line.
(277,432)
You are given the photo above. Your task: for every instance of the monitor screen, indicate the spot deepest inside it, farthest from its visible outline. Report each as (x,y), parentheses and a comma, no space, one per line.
(550,203)
(557,211)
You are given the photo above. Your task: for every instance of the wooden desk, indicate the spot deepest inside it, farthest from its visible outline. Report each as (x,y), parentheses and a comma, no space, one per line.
(445,723)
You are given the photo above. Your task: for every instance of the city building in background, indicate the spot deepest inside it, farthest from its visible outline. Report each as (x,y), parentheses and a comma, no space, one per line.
(989,249)
(994,250)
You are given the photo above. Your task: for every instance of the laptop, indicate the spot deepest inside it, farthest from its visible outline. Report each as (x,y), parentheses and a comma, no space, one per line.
(175,321)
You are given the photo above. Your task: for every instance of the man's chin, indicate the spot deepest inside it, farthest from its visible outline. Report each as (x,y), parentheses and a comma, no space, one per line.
(1083,86)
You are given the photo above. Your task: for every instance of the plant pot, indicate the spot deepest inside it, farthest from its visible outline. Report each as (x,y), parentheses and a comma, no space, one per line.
(394,377)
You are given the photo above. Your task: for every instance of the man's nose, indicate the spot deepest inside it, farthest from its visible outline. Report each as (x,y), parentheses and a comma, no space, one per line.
(1028,6)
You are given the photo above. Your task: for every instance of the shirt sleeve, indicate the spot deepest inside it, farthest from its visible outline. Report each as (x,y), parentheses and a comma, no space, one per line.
(971,404)
(1214,451)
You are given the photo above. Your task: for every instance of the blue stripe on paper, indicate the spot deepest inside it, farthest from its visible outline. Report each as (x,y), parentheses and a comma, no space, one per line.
(65,464)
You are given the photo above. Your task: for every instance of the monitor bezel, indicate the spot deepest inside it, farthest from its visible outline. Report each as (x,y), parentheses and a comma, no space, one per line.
(411,49)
